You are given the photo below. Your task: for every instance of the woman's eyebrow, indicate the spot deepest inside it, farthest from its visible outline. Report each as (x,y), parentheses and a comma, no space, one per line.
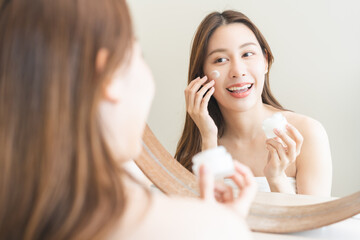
(224,50)
(247,44)
(216,50)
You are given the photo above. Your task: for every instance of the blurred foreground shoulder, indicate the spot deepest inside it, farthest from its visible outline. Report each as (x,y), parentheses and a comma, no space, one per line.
(187,218)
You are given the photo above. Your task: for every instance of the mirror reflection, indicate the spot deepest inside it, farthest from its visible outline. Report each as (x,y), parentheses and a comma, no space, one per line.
(314,50)
(229,97)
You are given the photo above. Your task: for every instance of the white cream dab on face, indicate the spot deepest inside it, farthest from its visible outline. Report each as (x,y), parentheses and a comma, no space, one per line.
(215,74)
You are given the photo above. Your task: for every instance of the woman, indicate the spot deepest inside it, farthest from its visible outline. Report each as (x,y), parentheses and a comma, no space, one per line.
(227,108)
(74,97)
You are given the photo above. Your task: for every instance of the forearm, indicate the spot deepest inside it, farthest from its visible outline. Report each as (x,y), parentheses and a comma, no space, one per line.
(208,142)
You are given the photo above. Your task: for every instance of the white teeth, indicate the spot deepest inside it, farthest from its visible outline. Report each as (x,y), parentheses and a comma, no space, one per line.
(239,88)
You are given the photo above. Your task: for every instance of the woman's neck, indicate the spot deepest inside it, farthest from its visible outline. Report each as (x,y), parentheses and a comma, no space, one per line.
(245,125)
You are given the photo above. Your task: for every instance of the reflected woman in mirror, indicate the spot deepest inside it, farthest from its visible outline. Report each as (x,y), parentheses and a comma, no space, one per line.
(227,99)
(75,93)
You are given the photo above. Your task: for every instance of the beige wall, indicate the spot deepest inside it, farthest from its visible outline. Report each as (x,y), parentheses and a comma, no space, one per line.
(316,45)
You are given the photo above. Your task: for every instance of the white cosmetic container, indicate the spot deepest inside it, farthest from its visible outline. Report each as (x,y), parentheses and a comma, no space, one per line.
(218,160)
(277,121)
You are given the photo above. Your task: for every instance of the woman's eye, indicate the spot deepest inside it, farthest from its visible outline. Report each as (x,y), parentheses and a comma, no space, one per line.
(220,60)
(248,54)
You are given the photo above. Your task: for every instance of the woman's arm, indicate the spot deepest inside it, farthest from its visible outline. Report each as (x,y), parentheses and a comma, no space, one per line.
(314,166)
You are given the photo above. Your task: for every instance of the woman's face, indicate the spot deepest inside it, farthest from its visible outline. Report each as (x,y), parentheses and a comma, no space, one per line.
(235,53)
(126,106)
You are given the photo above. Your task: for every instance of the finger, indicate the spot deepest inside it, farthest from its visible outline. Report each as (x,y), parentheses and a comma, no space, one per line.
(187,89)
(224,192)
(206,183)
(290,143)
(238,179)
(205,101)
(228,194)
(219,197)
(193,82)
(249,187)
(200,94)
(273,159)
(198,83)
(296,135)
(195,89)
(192,89)
(242,172)
(272,151)
(205,88)
(220,187)
(280,141)
(280,151)
(274,143)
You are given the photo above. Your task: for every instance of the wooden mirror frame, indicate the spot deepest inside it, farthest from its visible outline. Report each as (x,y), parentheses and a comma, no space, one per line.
(172,178)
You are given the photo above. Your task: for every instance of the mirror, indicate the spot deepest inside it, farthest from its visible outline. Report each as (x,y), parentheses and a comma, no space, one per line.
(269,213)
(316,70)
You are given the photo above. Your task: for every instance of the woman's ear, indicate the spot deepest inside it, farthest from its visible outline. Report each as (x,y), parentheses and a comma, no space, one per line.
(112,90)
(101,59)
(111,87)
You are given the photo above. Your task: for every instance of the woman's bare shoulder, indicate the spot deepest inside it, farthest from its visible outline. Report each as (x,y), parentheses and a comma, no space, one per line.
(306,125)
(187,218)
(315,149)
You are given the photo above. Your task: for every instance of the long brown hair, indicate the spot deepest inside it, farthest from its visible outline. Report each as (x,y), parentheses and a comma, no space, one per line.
(190,141)
(58,179)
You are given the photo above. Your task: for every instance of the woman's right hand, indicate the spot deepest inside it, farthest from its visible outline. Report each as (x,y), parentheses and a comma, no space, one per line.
(222,193)
(197,96)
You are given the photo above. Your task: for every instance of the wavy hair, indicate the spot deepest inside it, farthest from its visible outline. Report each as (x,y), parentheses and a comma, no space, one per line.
(58,179)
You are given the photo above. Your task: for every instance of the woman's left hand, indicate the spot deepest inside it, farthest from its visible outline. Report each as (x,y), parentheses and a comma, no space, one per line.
(283,151)
(224,194)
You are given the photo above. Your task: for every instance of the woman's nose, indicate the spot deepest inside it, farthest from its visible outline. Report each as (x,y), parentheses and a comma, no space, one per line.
(238,69)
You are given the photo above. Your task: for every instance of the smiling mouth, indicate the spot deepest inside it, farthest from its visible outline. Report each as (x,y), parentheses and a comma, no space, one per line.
(240,89)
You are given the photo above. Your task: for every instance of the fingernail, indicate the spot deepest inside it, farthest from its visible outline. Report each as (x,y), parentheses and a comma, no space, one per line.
(277,131)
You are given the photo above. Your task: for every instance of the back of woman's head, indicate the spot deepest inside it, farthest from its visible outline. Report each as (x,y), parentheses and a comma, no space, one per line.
(58,179)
